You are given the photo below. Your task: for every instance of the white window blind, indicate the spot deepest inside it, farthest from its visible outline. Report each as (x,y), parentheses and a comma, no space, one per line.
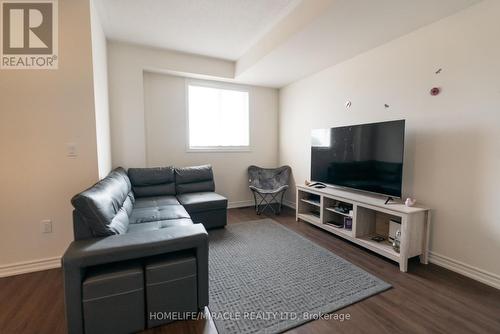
(218,118)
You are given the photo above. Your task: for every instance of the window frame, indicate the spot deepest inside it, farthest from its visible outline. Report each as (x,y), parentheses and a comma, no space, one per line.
(224,86)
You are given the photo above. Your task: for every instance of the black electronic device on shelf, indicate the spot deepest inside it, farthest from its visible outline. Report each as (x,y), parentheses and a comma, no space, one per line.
(317,185)
(336,224)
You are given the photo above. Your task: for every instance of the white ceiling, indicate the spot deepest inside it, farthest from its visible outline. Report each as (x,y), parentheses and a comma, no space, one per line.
(345,29)
(217,28)
(272,42)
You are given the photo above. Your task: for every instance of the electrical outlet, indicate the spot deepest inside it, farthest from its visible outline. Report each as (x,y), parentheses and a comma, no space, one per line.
(46,226)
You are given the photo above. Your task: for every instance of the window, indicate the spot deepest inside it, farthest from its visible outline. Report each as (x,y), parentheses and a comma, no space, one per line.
(218,118)
(321,138)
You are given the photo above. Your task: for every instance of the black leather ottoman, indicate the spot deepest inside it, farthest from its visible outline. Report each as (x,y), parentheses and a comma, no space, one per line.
(207,208)
(171,288)
(113,299)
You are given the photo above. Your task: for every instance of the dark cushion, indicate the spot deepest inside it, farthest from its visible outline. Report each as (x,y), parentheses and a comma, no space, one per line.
(148,202)
(211,218)
(156,181)
(106,205)
(111,293)
(120,171)
(202,201)
(112,279)
(172,275)
(84,253)
(144,215)
(194,179)
(157,225)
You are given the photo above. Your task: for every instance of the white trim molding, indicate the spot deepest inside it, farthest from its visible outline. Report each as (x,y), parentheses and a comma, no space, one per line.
(466,270)
(240,204)
(289,204)
(459,267)
(30,266)
(244,204)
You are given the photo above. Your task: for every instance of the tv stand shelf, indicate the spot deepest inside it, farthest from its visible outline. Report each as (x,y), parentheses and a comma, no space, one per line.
(337,212)
(370,216)
(310,202)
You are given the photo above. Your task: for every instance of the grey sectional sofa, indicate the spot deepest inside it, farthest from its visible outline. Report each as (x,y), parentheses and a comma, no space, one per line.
(135,217)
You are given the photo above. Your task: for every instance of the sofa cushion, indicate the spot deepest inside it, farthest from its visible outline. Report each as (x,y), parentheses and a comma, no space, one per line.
(111,279)
(151,214)
(120,171)
(202,201)
(148,202)
(211,218)
(155,181)
(194,179)
(106,205)
(157,225)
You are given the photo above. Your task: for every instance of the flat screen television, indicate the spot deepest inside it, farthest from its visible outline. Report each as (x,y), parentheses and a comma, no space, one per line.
(366,157)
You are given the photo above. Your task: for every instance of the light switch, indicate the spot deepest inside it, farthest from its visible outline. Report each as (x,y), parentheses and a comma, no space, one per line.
(71,150)
(46,226)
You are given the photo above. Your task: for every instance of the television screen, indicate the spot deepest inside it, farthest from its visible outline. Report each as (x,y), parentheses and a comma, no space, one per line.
(367,157)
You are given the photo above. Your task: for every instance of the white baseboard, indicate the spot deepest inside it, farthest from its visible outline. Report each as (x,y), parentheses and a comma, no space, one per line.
(452,264)
(289,204)
(440,260)
(466,270)
(243,204)
(240,204)
(30,266)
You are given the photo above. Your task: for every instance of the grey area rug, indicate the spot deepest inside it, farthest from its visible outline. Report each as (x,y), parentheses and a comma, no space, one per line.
(265,278)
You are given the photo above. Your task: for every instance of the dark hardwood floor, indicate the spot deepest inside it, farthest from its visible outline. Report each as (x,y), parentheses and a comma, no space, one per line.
(427,299)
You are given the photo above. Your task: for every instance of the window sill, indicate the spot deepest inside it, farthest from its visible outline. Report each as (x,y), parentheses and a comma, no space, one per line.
(219,150)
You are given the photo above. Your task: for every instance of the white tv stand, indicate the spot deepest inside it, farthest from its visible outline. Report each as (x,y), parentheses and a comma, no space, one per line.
(370,216)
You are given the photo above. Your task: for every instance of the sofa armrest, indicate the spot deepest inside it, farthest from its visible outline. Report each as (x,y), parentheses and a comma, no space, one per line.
(90,252)
(120,247)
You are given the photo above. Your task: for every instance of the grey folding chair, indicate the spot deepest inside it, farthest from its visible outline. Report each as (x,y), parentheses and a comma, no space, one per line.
(268,186)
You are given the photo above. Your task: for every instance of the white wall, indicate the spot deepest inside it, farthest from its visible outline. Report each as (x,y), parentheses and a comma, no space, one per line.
(40,112)
(100,67)
(453,140)
(161,140)
(126,66)
(166,135)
